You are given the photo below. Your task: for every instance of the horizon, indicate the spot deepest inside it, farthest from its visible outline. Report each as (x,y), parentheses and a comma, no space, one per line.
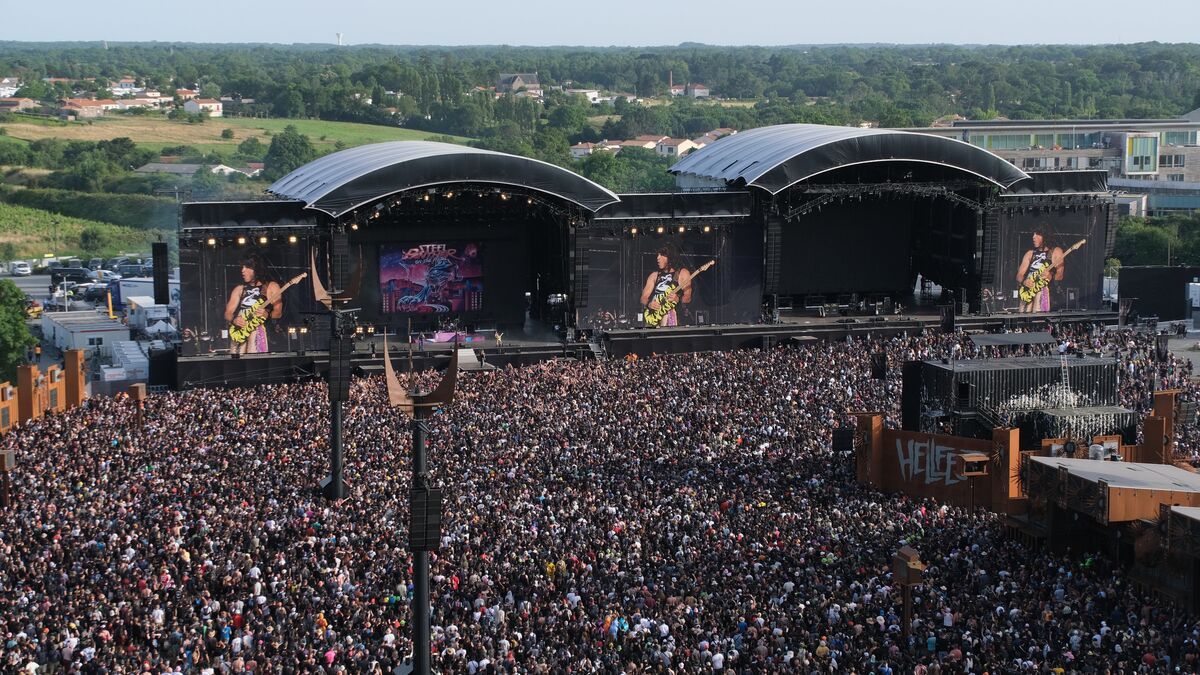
(620,24)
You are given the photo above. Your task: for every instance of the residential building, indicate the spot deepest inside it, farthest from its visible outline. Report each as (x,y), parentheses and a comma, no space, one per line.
(592,95)
(186,94)
(9,86)
(207,105)
(674,147)
(82,108)
(11,104)
(696,90)
(678,89)
(581,150)
(513,82)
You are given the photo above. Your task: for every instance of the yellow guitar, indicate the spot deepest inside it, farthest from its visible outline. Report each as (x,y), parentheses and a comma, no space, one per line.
(250,318)
(1041,278)
(654,317)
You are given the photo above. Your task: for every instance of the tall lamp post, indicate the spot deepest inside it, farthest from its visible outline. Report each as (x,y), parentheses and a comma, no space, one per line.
(425,501)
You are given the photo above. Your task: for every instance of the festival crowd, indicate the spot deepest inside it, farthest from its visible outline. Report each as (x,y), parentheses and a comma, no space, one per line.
(671,514)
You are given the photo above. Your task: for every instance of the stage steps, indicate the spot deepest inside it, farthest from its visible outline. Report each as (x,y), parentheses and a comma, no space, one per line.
(469,361)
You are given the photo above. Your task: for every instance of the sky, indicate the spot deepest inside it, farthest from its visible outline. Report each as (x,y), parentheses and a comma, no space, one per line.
(606,23)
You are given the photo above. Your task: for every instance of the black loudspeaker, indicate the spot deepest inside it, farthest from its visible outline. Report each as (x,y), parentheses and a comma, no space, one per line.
(163,368)
(768,341)
(888,307)
(947,313)
(1162,347)
(701,318)
(963,393)
(879,366)
(910,397)
(162,266)
(425,522)
(843,440)
(339,368)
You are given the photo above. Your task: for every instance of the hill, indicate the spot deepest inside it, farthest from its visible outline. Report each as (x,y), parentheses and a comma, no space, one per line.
(30,233)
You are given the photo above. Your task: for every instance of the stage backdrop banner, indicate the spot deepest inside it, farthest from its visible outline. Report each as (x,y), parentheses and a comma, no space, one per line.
(230,280)
(628,273)
(1067,243)
(431,277)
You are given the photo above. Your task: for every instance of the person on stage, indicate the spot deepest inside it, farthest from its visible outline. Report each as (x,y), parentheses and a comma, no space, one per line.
(662,287)
(1042,261)
(245,297)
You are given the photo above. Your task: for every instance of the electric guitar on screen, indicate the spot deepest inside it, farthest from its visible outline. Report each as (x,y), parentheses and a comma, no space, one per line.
(654,317)
(1041,278)
(250,316)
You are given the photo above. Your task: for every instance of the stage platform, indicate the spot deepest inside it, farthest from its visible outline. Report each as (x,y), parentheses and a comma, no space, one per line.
(224,370)
(645,341)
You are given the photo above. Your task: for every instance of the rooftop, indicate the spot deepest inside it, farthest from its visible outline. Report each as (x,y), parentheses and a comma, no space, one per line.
(1127,474)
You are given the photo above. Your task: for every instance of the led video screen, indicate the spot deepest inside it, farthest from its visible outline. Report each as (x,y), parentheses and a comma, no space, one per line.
(431,277)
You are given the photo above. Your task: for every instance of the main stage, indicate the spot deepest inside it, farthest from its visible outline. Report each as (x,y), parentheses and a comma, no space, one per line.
(225,370)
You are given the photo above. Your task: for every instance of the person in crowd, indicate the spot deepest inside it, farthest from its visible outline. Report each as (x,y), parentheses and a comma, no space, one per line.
(595,521)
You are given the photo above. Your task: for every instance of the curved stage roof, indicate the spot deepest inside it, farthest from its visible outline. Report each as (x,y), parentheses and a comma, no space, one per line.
(777,157)
(343,181)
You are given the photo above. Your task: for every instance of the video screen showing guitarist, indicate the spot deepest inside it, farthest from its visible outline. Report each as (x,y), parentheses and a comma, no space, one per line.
(1041,267)
(245,311)
(665,289)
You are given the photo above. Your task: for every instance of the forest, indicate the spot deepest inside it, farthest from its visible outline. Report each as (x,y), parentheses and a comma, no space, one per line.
(448,90)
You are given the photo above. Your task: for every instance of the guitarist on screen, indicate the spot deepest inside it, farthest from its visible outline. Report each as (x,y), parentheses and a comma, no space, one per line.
(255,286)
(1044,262)
(664,286)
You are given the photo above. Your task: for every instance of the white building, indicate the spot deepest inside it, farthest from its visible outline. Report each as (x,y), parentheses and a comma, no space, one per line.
(85,330)
(209,105)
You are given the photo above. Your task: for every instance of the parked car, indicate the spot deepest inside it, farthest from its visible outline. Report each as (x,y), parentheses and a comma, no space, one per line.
(19,268)
(95,292)
(95,264)
(78,275)
(105,276)
(129,270)
(114,263)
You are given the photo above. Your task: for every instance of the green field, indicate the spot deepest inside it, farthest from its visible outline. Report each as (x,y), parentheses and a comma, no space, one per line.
(157,132)
(33,233)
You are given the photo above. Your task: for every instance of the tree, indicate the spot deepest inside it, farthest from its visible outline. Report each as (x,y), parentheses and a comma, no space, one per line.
(227,134)
(15,338)
(289,150)
(91,239)
(251,148)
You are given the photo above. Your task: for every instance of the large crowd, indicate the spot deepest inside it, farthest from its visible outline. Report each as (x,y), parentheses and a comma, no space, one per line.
(672,514)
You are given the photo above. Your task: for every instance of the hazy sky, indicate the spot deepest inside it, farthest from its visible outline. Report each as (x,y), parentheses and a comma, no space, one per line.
(607,22)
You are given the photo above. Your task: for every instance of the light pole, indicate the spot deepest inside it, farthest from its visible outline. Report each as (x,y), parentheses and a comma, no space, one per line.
(425,502)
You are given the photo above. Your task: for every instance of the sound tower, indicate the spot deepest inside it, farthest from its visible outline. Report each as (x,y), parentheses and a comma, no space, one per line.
(339,368)
(162,264)
(340,260)
(879,366)
(947,313)
(910,396)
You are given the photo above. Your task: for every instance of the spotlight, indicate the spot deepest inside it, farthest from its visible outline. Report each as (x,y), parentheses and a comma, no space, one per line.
(449,195)
(707,229)
(529,200)
(304,330)
(358,330)
(370,330)
(682,229)
(241,240)
(291,330)
(504,196)
(354,226)
(292,239)
(633,230)
(660,229)
(212,242)
(262,240)
(425,198)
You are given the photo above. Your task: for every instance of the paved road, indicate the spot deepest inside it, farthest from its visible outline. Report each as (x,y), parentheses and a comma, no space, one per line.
(36,286)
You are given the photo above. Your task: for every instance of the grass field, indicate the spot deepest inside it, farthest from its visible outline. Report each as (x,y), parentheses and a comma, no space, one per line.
(156,132)
(33,233)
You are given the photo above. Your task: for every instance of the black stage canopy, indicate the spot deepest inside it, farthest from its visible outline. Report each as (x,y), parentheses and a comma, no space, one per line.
(731,204)
(777,157)
(989,339)
(340,182)
(256,214)
(1061,183)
